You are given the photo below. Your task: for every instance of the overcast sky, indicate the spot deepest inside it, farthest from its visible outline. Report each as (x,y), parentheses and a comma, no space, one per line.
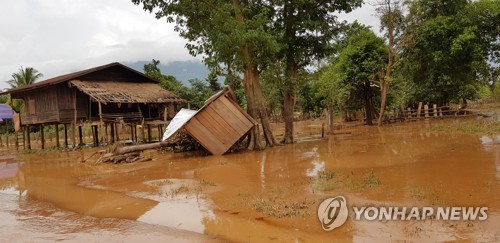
(61,36)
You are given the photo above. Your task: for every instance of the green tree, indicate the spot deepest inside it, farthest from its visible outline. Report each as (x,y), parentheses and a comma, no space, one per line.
(167,82)
(391,20)
(305,30)
(346,80)
(25,76)
(233,33)
(448,45)
(213,82)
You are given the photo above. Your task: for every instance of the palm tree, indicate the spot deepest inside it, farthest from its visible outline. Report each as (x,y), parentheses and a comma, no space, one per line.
(25,76)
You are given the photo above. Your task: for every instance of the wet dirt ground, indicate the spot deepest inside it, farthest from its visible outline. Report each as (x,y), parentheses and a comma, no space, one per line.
(270,195)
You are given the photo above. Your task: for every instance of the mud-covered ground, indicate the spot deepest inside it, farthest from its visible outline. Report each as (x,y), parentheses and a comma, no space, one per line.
(270,195)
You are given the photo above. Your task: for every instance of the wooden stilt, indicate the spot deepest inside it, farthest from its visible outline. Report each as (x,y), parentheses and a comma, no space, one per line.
(65,136)
(117,131)
(96,135)
(57,136)
(132,132)
(112,132)
(28,139)
(42,136)
(73,134)
(142,132)
(159,132)
(80,136)
(135,133)
(106,133)
(149,133)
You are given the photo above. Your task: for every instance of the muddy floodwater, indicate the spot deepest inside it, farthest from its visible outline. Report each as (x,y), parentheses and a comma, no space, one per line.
(266,196)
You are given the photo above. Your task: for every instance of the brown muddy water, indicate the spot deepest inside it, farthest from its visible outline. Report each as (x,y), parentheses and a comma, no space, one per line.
(266,196)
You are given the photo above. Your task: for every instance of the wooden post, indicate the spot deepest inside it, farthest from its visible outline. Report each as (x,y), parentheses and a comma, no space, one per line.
(106,133)
(142,133)
(80,135)
(42,136)
(440,112)
(409,112)
(135,133)
(28,139)
(117,131)
(73,134)
(434,110)
(65,135)
(426,111)
(323,130)
(419,110)
(132,132)
(149,133)
(112,132)
(96,135)
(123,128)
(57,136)
(159,132)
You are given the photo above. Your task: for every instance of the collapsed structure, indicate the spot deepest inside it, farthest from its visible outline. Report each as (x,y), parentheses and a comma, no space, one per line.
(217,126)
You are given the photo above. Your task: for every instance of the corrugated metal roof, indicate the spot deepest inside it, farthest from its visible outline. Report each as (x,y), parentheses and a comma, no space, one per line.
(71,76)
(6,111)
(125,92)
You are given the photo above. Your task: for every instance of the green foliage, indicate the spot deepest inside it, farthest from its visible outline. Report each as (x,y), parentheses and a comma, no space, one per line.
(25,76)
(342,80)
(446,47)
(196,95)
(229,32)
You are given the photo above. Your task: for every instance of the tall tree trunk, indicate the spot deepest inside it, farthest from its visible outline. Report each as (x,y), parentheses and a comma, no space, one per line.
(368,105)
(383,101)
(253,92)
(384,81)
(289,98)
(255,107)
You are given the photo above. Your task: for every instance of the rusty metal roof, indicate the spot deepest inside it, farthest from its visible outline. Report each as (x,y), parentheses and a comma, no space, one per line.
(71,76)
(125,92)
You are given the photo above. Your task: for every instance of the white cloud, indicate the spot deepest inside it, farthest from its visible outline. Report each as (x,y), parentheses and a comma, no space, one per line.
(61,36)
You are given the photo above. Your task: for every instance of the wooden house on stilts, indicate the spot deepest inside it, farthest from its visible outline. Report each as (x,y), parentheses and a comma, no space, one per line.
(107,98)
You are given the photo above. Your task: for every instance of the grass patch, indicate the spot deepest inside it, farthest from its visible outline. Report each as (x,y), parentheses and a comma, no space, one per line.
(422,193)
(178,191)
(278,208)
(328,181)
(481,126)
(204,182)
(160,183)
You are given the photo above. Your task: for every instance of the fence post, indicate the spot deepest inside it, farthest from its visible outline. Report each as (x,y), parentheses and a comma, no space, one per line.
(419,110)
(426,111)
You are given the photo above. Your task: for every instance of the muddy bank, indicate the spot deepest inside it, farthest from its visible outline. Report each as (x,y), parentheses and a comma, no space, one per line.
(271,195)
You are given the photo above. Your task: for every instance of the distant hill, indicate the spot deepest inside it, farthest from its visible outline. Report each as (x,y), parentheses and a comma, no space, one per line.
(182,70)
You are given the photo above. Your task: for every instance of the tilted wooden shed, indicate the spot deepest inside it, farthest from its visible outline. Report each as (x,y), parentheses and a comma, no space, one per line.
(217,126)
